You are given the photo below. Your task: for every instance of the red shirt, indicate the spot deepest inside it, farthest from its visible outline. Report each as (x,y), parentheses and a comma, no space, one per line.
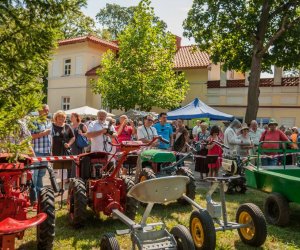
(125,134)
(276,135)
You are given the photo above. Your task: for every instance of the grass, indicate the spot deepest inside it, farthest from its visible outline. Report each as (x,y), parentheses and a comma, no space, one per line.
(172,214)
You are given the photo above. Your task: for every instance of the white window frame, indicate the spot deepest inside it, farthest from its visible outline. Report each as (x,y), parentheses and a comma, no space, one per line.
(67,66)
(65,102)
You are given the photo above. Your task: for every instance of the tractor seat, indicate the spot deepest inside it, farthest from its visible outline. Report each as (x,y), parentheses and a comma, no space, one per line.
(10,225)
(159,190)
(221,179)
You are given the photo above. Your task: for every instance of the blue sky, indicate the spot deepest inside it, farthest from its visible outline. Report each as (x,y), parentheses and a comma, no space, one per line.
(173,12)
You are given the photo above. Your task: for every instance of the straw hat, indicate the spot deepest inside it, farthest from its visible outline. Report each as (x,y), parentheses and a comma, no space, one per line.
(244,126)
(272,121)
(203,124)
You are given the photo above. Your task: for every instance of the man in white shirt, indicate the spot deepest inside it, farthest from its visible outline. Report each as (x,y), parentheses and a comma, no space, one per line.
(255,132)
(196,129)
(100,133)
(230,137)
(146,132)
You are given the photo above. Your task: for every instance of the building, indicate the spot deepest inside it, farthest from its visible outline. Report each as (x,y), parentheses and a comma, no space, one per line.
(76,61)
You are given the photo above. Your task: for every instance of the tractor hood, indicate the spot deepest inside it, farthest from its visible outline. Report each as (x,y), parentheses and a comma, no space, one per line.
(157,156)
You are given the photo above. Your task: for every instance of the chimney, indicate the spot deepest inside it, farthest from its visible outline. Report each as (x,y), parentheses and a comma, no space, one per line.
(178,41)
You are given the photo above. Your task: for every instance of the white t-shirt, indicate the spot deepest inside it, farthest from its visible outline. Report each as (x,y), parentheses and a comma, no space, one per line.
(195,130)
(146,133)
(101,142)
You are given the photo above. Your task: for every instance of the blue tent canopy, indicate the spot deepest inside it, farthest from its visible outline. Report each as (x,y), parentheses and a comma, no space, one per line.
(198,109)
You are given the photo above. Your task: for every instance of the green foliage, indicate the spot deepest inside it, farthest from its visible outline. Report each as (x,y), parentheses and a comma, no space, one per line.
(114,18)
(77,24)
(229,31)
(29,30)
(142,75)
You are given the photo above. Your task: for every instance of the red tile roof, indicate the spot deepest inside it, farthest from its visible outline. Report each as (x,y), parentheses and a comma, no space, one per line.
(190,57)
(89,38)
(92,72)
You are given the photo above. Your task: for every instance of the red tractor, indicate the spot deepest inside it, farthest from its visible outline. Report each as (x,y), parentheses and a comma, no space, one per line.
(15,184)
(99,186)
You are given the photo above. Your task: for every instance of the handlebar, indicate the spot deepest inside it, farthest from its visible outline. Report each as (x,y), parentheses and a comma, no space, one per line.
(205,143)
(139,143)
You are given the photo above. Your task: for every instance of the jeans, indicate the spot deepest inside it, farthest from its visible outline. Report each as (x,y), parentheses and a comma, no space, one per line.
(37,178)
(269,161)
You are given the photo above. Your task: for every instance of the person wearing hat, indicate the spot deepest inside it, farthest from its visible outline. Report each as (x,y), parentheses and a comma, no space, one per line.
(246,142)
(272,134)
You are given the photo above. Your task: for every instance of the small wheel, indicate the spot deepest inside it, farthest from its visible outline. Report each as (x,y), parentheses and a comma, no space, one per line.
(203,230)
(190,187)
(146,174)
(131,203)
(46,230)
(240,188)
(77,202)
(256,233)
(109,242)
(276,208)
(183,237)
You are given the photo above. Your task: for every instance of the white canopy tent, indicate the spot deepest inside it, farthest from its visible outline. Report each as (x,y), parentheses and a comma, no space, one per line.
(85,110)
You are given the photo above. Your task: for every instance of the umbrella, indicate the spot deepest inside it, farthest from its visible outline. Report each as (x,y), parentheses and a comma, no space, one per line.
(85,110)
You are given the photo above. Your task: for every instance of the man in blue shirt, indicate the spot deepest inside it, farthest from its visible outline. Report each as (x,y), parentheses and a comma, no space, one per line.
(165,130)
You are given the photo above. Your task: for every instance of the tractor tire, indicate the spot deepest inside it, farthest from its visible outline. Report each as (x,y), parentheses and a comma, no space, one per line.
(77,203)
(183,237)
(276,209)
(240,188)
(146,174)
(202,230)
(255,235)
(46,230)
(109,242)
(131,203)
(190,187)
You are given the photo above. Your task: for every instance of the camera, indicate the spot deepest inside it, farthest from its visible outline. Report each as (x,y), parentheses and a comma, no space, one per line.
(109,130)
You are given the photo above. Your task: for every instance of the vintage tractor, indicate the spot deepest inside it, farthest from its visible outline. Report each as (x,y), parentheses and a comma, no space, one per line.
(153,235)
(99,186)
(15,184)
(155,163)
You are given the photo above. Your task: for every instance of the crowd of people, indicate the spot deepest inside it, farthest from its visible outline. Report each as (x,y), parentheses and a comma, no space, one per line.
(58,137)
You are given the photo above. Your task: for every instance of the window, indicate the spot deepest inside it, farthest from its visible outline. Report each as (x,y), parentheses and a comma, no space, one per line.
(65,103)
(67,67)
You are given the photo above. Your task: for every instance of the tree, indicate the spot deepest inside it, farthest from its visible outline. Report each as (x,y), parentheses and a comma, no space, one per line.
(77,24)
(142,75)
(29,30)
(247,35)
(115,18)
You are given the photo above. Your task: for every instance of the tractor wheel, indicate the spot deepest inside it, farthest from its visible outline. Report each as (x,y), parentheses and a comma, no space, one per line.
(183,237)
(276,208)
(240,188)
(46,230)
(203,230)
(256,233)
(109,242)
(131,203)
(77,202)
(146,174)
(190,187)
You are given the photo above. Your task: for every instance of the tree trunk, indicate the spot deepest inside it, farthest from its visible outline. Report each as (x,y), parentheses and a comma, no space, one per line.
(253,89)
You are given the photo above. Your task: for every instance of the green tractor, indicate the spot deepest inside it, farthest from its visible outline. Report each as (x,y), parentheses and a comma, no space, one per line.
(155,163)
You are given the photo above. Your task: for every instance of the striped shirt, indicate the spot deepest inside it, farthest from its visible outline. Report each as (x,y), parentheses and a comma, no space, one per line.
(42,144)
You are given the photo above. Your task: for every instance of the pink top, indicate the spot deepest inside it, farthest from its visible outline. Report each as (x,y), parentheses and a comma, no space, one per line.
(276,135)
(215,150)
(125,134)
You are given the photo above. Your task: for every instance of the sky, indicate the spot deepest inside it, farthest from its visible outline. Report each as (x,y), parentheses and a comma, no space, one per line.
(173,12)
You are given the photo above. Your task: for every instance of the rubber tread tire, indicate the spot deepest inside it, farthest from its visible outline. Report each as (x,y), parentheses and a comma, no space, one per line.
(131,203)
(190,187)
(208,228)
(80,203)
(149,174)
(46,230)
(183,237)
(259,222)
(283,216)
(109,242)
